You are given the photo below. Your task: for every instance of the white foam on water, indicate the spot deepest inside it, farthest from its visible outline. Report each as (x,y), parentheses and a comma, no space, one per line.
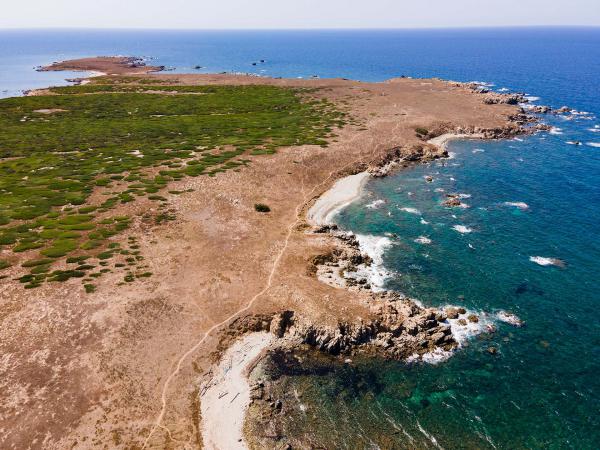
(556,130)
(376,204)
(520,205)
(545,261)
(478,150)
(451,155)
(424,222)
(411,210)
(461,332)
(518,139)
(462,229)
(594,144)
(532,98)
(503,89)
(374,247)
(510,318)
(423,240)
(439,190)
(464,195)
(435,356)
(596,129)
(573,142)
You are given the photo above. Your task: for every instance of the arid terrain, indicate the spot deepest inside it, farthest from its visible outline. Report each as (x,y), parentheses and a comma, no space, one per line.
(121,367)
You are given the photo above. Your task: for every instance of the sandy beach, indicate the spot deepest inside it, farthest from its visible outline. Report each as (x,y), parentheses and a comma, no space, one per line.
(342,193)
(443,140)
(225,398)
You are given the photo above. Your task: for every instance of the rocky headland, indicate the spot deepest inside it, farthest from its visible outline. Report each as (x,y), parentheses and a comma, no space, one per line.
(140,354)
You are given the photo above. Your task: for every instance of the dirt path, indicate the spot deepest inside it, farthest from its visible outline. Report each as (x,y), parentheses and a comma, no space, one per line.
(299,208)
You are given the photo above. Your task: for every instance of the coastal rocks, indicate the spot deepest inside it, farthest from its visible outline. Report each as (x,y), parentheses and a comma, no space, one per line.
(397,328)
(510,318)
(507,99)
(451,201)
(542,127)
(563,110)
(540,109)
(345,266)
(326,228)
(452,312)
(382,166)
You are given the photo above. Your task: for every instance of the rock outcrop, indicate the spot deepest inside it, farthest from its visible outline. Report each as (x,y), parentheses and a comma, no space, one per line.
(398,328)
(398,155)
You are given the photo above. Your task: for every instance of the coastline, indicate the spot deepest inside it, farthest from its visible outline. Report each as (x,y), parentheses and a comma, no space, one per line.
(224,399)
(443,140)
(348,189)
(343,192)
(298,308)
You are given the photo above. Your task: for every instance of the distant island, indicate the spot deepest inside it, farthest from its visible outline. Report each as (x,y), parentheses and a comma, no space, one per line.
(162,232)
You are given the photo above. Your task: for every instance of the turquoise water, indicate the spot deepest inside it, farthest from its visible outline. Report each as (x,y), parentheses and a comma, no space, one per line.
(541,390)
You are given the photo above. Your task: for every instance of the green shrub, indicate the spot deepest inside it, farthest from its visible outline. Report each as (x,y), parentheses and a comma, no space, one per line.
(261,207)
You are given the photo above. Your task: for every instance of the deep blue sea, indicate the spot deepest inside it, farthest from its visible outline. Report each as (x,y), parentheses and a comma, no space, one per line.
(535,197)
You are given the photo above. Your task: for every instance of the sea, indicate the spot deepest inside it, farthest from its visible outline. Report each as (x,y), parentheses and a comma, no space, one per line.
(527,240)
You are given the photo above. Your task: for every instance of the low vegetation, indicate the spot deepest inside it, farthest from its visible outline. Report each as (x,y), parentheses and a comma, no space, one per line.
(70,158)
(261,207)
(421,132)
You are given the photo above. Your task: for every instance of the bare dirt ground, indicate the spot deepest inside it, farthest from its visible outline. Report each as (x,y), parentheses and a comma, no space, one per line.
(121,367)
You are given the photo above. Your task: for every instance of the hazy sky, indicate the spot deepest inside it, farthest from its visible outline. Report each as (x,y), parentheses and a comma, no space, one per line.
(295,13)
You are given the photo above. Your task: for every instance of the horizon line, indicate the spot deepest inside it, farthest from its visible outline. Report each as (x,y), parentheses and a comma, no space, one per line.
(451,27)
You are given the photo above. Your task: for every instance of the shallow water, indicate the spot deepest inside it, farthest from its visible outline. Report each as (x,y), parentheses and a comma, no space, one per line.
(541,390)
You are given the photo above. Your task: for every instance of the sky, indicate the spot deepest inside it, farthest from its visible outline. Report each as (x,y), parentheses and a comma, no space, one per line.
(228,14)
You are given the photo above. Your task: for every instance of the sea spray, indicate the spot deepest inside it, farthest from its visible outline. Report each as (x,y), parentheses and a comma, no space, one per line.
(375,273)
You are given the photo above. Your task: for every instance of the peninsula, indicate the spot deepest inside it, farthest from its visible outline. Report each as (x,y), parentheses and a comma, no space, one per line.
(156,222)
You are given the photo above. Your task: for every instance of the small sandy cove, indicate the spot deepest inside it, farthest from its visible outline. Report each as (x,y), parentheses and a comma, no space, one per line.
(225,398)
(341,194)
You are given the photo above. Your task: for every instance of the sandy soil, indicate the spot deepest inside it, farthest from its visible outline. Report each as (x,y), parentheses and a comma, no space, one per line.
(122,367)
(225,398)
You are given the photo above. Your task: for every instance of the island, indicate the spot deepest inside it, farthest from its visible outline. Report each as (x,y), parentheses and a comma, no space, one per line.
(161,233)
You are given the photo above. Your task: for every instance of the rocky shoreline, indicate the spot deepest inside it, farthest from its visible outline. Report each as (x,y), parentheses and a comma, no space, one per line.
(399,327)
(223,270)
